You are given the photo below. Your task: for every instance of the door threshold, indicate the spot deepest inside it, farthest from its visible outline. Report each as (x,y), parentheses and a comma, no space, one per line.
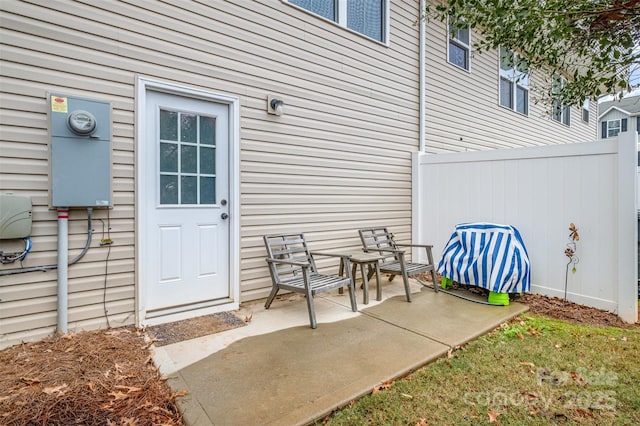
(177,313)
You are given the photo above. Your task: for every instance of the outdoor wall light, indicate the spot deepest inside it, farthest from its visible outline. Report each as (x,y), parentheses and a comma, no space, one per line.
(275,105)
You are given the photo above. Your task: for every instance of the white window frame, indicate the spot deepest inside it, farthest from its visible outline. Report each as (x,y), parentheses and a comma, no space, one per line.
(616,130)
(561,113)
(466,47)
(341,18)
(517,79)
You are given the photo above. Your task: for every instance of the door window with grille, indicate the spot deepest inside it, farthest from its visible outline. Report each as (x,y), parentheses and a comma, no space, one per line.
(187,158)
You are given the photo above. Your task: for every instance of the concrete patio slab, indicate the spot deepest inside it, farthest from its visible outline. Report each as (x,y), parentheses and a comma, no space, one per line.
(442,317)
(297,375)
(278,371)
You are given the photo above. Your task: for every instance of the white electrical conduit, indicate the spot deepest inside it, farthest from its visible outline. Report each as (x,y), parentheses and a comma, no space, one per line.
(49,267)
(63,268)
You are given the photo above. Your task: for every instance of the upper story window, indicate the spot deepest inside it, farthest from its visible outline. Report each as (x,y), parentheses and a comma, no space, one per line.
(514,82)
(367,17)
(560,113)
(459,49)
(611,128)
(585,111)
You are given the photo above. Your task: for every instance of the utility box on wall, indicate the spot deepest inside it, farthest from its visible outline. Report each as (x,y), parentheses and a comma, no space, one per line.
(15,216)
(80,151)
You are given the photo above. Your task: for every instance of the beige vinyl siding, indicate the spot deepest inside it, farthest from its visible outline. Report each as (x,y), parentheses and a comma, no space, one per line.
(616,114)
(337,160)
(463,111)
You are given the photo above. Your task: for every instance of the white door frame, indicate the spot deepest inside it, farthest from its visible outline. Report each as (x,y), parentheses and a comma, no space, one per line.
(141,226)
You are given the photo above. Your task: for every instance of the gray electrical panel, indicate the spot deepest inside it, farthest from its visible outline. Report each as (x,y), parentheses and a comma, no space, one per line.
(80,151)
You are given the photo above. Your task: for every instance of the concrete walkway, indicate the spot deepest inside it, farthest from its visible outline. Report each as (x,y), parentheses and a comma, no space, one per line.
(278,371)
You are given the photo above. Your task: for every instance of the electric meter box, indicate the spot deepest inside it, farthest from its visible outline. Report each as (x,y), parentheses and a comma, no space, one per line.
(80,151)
(15,216)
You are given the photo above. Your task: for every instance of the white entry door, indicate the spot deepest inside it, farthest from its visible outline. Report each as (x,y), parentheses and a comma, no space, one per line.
(186,197)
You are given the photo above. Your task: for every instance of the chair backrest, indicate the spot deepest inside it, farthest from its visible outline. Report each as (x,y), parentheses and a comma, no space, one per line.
(377,239)
(290,247)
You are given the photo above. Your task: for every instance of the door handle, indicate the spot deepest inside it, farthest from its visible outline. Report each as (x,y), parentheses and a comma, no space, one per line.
(224,216)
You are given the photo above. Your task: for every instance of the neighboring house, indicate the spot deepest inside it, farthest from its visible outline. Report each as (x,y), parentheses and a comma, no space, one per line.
(619,116)
(187,234)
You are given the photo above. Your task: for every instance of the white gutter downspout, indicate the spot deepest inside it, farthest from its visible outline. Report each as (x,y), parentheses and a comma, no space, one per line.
(63,267)
(416,191)
(422,121)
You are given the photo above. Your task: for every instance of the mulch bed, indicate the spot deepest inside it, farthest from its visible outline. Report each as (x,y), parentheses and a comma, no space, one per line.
(557,308)
(104,377)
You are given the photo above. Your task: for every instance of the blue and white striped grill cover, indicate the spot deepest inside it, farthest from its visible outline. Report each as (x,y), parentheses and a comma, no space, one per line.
(487,255)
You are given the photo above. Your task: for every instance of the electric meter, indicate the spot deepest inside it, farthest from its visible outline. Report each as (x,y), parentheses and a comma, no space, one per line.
(82,122)
(79,151)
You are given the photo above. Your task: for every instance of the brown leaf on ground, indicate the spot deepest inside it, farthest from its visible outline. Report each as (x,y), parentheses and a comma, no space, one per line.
(129,389)
(493,416)
(119,395)
(529,395)
(577,377)
(30,381)
(60,390)
(385,385)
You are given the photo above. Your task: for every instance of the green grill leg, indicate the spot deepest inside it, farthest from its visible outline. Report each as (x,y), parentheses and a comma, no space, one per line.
(446,283)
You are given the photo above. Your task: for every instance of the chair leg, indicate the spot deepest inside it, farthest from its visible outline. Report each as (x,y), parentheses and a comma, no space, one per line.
(378,284)
(272,296)
(433,271)
(312,311)
(435,283)
(352,297)
(376,270)
(405,276)
(407,289)
(353,274)
(340,272)
(365,284)
(352,286)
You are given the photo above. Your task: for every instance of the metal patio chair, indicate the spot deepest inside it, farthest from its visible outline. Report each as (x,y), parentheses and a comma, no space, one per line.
(394,262)
(293,268)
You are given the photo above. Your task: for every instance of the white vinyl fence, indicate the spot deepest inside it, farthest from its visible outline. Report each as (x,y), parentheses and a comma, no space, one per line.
(541,191)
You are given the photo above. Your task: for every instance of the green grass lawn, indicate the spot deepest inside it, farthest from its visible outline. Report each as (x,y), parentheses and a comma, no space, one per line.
(531,371)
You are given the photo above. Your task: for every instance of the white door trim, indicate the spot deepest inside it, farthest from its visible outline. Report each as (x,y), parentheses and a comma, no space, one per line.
(142,86)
